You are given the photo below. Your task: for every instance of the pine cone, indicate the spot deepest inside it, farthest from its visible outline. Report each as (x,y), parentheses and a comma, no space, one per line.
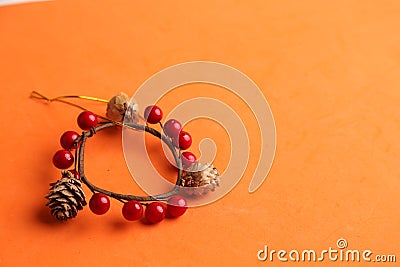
(120,106)
(203,178)
(66,197)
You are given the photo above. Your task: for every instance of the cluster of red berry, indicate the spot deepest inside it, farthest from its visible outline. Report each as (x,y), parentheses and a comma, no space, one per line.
(132,210)
(63,158)
(173,129)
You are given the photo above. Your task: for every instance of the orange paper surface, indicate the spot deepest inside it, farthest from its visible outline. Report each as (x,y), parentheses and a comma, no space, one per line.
(329,70)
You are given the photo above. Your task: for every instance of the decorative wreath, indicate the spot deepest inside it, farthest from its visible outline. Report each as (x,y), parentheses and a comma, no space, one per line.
(66,196)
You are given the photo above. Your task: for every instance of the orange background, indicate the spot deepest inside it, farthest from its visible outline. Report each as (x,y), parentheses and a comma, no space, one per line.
(329,70)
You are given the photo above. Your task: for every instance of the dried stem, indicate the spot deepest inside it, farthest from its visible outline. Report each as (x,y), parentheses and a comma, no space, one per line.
(122,197)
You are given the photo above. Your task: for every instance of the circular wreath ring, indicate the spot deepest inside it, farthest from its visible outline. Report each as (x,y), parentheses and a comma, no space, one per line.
(66,196)
(122,197)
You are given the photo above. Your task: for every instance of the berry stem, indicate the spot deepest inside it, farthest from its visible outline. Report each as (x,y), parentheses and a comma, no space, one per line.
(122,197)
(76,156)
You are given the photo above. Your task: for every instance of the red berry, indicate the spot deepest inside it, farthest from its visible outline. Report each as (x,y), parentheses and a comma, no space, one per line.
(153,114)
(67,140)
(188,158)
(63,159)
(87,120)
(183,141)
(75,174)
(172,127)
(176,206)
(132,210)
(155,212)
(99,203)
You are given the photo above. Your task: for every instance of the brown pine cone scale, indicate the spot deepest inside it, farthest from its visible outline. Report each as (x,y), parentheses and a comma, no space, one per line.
(66,197)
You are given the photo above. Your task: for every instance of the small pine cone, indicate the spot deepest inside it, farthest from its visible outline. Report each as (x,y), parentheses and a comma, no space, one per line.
(66,197)
(120,107)
(202,178)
